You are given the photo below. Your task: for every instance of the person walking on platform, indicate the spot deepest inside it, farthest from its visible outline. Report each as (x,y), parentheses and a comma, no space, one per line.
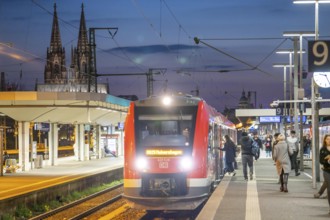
(325,161)
(230,149)
(247,155)
(282,160)
(257,139)
(321,191)
(293,143)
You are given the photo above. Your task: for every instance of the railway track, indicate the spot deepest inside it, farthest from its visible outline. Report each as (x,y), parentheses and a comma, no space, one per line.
(85,206)
(109,204)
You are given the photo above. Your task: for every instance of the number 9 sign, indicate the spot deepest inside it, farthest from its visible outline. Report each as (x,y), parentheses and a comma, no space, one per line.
(318,56)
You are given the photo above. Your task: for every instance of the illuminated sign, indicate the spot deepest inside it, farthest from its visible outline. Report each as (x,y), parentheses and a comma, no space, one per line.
(41,127)
(120,125)
(303,119)
(164,152)
(269,119)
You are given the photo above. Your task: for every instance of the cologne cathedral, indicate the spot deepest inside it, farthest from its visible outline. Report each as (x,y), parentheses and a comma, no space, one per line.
(58,77)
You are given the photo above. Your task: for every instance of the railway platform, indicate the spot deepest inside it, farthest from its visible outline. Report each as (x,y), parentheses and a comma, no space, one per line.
(260,198)
(15,184)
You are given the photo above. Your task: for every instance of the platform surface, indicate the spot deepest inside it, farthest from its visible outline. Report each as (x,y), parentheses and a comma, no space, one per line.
(236,199)
(68,169)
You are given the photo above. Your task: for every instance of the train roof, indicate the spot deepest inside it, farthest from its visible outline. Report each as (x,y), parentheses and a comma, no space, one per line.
(181,99)
(177,99)
(218,117)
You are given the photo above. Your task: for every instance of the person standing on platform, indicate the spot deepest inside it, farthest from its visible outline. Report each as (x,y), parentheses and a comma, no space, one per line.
(307,145)
(230,149)
(247,155)
(282,160)
(268,145)
(293,143)
(257,139)
(275,141)
(5,157)
(325,161)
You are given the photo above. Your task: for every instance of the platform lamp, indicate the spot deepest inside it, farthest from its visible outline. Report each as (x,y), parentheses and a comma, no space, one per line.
(290,52)
(315,112)
(299,34)
(284,66)
(296,35)
(316,2)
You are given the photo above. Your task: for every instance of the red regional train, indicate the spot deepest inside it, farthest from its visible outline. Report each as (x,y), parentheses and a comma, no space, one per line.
(172,156)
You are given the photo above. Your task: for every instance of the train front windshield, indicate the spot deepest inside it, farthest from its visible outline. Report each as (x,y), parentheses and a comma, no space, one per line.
(159,127)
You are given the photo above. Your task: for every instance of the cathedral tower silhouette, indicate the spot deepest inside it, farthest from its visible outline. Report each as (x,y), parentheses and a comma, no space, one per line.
(57,76)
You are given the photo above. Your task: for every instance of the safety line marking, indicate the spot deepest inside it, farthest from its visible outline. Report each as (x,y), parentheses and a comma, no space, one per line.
(209,211)
(252,208)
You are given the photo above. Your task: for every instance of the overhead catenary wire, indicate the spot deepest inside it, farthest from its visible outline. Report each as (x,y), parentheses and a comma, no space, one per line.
(231,56)
(176,19)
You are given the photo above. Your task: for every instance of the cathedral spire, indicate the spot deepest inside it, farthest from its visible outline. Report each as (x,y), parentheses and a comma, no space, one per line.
(55,70)
(82,39)
(81,53)
(55,41)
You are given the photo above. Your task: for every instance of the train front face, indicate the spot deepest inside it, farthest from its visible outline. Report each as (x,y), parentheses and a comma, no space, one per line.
(166,158)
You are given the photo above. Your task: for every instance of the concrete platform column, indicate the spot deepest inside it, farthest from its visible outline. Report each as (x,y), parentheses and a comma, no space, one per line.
(75,145)
(98,149)
(80,141)
(86,146)
(24,146)
(53,143)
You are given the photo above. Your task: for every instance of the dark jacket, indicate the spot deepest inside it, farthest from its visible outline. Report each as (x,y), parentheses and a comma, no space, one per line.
(259,142)
(323,153)
(246,145)
(268,144)
(230,149)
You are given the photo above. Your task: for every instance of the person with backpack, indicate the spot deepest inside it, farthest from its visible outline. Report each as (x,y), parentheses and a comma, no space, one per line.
(247,155)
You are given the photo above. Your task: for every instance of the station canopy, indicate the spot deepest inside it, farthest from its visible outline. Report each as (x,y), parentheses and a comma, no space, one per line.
(64,107)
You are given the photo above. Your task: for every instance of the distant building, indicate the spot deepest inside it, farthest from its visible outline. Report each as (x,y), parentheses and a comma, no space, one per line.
(57,76)
(244,103)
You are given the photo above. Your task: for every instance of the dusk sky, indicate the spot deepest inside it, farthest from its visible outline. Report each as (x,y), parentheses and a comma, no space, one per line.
(160,34)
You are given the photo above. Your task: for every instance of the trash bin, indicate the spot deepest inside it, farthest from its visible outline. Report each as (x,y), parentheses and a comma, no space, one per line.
(38,162)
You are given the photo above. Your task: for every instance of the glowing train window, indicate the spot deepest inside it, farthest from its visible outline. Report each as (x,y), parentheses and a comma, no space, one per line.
(156,127)
(164,117)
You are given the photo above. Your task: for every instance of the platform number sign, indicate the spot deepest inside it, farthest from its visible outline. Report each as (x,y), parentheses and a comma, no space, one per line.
(318,56)
(279,111)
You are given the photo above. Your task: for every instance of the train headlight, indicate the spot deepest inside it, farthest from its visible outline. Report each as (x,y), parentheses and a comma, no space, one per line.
(141,163)
(186,163)
(167,100)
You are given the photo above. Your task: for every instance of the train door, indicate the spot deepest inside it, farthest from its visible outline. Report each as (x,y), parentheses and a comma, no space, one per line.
(217,145)
(210,153)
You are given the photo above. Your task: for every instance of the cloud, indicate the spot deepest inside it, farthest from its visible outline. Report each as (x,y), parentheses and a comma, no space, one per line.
(151,49)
